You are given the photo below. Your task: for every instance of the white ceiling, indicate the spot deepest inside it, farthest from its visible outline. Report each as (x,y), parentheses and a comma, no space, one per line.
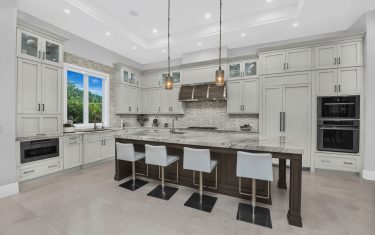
(261,21)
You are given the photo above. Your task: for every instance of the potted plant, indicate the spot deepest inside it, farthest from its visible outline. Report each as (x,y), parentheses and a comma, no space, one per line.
(69,128)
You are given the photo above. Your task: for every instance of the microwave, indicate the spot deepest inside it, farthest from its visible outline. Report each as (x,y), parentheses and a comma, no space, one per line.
(338,107)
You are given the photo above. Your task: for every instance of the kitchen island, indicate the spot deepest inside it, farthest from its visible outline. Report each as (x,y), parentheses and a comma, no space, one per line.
(223,147)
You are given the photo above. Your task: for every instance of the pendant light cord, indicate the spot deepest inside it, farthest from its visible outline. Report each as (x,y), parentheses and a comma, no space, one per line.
(221,5)
(169,55)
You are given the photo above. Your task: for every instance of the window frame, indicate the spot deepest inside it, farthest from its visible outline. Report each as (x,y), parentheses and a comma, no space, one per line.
(106,96)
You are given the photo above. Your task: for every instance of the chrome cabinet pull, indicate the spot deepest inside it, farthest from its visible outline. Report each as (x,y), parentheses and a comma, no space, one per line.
(335,61)
(326,161)
(348,163)
(27,172)
(335,88)
(339,60)
(284,121)
(287,65)
(39,54)
(52,166)
(339,88)
(281,121)
(284,66)
(38,107)
(42,107)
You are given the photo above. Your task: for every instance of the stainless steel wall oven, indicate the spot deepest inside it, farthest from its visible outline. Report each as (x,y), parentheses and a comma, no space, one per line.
(39,149)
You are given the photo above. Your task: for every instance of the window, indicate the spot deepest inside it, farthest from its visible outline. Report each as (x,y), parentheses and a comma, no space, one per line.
(86,96)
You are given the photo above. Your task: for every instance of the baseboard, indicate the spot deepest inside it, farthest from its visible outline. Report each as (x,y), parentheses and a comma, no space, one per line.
(368,175)
(9,189)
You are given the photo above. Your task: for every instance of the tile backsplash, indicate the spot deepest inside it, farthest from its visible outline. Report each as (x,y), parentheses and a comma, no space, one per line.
(205,114)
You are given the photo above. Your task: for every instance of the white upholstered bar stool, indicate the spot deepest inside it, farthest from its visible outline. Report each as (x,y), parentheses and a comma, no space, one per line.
(200,160)
(256,166)
(157,155)
(126,152)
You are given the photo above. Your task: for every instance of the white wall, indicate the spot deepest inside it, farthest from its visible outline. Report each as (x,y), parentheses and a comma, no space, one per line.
(8,17)
(369,99)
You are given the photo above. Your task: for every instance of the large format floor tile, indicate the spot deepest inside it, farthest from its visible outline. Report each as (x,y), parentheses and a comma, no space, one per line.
(89,201)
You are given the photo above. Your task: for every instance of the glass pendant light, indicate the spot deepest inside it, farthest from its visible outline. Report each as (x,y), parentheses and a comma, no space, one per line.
(219,76)
(168,78)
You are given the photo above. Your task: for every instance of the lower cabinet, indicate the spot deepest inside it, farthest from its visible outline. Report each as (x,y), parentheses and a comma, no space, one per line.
(337,161)
(72,151)
(40,168)
(98,146)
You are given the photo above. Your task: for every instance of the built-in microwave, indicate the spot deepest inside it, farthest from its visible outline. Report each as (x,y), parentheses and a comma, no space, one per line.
(39,149)
(338,107)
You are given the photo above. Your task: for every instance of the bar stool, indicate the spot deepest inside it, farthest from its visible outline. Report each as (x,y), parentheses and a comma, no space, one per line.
(200,160)
(126,152)
(157,155)
(257,166)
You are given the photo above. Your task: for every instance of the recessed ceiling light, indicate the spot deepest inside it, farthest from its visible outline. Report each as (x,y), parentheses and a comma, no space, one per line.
(133,13)
(134,48)
(208,15)
(199,44)
(67,11)
(269,0)
(243,34)
(155,31)
(164,51)
(108,33)
(295,24)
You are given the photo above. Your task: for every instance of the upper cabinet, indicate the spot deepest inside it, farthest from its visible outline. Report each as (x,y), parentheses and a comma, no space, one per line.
(201,74)
(242,69)
(129,77)
(243,96)
(348,54)
(291,60)
(38,48)
(176,76)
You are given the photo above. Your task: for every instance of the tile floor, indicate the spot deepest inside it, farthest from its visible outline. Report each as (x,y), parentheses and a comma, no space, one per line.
(88,201)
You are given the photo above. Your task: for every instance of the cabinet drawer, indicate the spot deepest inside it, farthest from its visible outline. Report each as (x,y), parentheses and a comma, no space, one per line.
(72,138)
(34,170)
(108,135)
(336,163)
(93,136)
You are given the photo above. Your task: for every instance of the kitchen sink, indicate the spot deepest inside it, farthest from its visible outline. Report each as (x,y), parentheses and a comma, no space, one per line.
(94,130)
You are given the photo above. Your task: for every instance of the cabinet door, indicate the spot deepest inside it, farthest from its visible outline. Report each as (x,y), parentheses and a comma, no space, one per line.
(349,80)
(72,154)
(234,70)
(250,96)
(155,100)
(146,101)
(326,81)
(28,125)
(165,100)
(52,52)
(92,150)
(155,80)
(350,54)
(297,108)
(272,107)
(326,57)
(274,62)
(51,89)
(138,102)
(29,86)
(234,94)
(298,60)
(250,69)
(29,45)
(201,74)
(122,99)
(177,106)
(108,149)
(51,124)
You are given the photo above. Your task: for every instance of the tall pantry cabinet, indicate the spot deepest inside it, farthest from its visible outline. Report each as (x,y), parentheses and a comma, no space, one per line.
(39,84)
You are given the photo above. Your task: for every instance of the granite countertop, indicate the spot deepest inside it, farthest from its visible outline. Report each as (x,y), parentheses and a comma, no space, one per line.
(219,139)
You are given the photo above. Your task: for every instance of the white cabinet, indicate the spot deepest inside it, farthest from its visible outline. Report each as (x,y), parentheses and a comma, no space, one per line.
(201,74)
(40,168)
(151,100)
(344,81)
(287,110)
(98,146)
(291,60)
(242,96)
(72,151)
(347,54)
(128,99)
(337,161)
(38,48)
(242,69)
(128,77)
(169,103)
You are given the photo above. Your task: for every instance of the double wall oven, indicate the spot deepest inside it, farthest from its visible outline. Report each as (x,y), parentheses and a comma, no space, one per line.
(338,124)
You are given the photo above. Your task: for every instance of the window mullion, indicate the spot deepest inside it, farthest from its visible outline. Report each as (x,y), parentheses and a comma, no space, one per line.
(86,99)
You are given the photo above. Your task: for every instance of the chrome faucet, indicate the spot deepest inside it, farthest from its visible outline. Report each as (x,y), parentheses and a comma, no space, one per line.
(173,129)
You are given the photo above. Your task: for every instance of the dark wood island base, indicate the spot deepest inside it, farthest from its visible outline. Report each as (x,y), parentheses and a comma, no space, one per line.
(227,181)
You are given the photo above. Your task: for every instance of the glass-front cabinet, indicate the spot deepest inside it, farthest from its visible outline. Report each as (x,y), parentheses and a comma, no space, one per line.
(38,48)
(129,77)
(242,69)
(175,75)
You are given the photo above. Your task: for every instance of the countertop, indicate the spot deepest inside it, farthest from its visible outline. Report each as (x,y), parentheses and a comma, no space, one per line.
(219,139)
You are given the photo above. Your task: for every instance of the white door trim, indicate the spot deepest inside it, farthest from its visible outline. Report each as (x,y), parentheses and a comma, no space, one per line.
(9,189)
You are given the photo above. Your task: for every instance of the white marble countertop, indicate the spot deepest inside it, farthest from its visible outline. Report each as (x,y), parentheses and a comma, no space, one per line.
(219,139)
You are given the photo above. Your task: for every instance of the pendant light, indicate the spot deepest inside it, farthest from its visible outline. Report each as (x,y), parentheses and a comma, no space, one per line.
(219,78)
(168,78)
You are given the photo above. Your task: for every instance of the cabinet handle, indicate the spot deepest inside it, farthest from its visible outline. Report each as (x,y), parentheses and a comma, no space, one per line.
(339,60)
(326,161)
(27,172)
(159,108)
(44,55)
(287,65)
(38,107)
(52,166)
(281,121)
(284,66)
(284,121)
(42,107)
(348,163)
(335,88)
(243,107)
(39,54)
(339,88)
(335,61)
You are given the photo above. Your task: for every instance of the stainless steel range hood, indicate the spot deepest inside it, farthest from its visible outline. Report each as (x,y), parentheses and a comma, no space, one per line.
(202,92)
